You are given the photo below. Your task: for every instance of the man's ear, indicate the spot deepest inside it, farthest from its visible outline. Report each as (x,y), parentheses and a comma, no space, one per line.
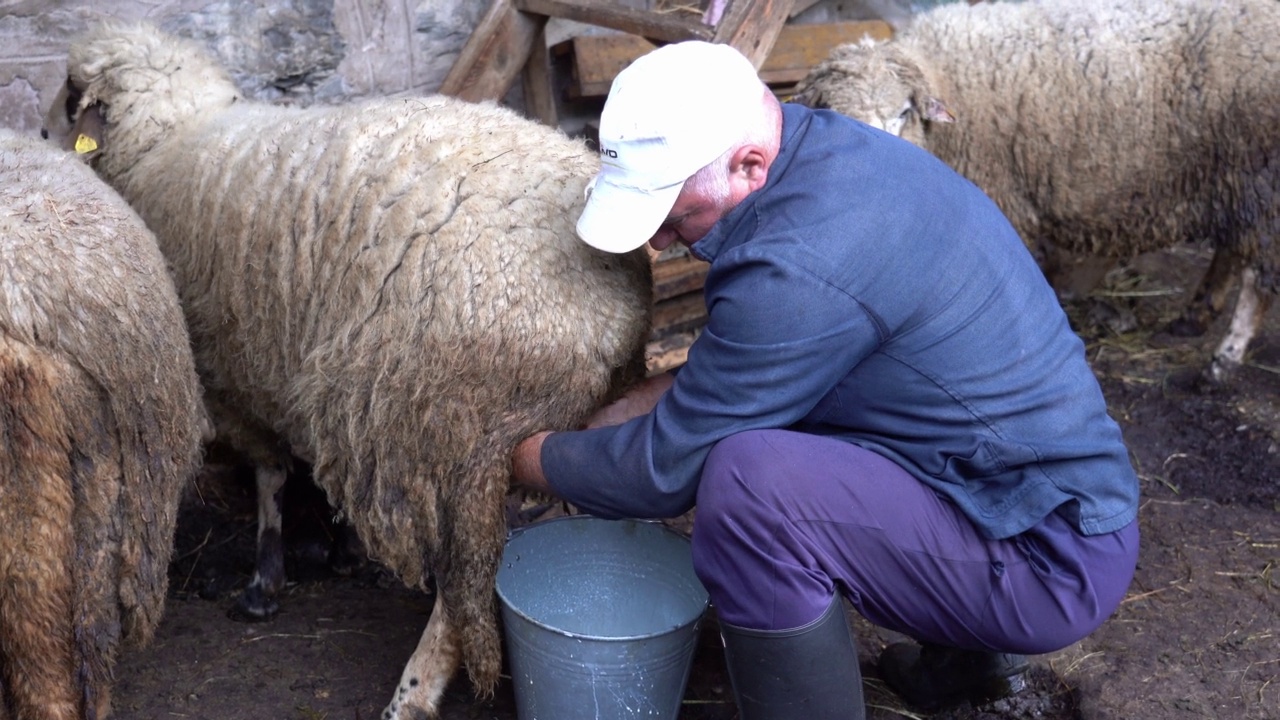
(753,163)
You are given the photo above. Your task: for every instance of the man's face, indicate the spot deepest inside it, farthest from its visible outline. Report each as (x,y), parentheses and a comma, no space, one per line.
(700,205)
(690,219)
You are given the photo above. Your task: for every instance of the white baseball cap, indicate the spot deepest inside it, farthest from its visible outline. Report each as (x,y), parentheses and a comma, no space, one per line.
(668,115)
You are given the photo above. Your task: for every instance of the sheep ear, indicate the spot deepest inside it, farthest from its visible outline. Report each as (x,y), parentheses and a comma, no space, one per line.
(87,131)
(936,111)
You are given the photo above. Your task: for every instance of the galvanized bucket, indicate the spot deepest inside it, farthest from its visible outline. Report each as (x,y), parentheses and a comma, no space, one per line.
(600,618)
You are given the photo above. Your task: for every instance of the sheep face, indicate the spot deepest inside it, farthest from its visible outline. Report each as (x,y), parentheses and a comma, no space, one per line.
(878,84)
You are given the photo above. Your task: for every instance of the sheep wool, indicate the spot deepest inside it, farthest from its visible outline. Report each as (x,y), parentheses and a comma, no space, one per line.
(100,431)
(1102,127)
(392,289)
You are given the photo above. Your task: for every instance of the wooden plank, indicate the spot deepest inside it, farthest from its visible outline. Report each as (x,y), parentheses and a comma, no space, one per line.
(801,47)
(683,312)
(652,25)
(597,59)
(539,98)
(678,276)
(668,352)
(494,54)
(752,26)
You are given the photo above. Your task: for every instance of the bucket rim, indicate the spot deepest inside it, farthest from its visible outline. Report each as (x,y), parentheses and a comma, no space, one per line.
(584,517)
(507,604)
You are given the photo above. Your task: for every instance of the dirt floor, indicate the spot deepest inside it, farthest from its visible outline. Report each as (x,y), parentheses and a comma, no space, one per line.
(1197,637)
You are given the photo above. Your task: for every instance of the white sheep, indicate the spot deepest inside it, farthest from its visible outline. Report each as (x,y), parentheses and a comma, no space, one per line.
(100,431)
(392,290)
(1106,127)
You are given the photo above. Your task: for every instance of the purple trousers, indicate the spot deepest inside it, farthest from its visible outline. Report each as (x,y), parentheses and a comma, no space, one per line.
(785,520)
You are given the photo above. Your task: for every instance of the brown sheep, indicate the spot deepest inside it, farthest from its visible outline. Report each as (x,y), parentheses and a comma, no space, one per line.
(100,430)
(391,290)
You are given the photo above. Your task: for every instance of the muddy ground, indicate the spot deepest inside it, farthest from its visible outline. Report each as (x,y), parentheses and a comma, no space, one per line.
(1197,637)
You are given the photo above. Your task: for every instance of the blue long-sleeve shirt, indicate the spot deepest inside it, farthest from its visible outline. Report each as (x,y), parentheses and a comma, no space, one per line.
(869,293)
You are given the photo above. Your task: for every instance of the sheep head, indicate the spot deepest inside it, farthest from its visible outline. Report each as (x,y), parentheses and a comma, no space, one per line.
(879,83)
(129,85)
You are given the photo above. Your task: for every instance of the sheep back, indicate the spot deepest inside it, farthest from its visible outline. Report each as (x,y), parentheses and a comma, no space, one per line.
(1110,127)
(101,420)
(396,288)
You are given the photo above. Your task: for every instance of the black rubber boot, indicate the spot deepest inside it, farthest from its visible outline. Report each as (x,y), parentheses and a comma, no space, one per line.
(933,677)
(810,672)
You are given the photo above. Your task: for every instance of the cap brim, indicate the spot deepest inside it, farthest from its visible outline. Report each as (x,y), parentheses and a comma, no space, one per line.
(619,219)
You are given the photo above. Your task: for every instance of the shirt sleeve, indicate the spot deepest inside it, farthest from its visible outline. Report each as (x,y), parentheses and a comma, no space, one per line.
(777,340)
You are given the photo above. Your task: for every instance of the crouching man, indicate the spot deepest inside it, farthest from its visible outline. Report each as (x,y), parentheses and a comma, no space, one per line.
(887,403)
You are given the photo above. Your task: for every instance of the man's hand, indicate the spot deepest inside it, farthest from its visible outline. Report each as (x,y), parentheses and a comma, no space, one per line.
(526,464)
(526,459)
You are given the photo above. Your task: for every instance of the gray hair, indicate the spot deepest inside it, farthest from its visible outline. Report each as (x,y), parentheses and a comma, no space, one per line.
(764,130)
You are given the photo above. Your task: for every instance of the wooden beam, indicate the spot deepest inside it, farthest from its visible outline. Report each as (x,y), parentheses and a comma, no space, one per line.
(494,54)
(539,97)
(799,6)
(752,26)
(655,26)
(597,59)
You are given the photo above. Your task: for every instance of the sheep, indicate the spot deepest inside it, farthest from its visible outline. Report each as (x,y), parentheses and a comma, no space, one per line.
(1101,127)
(391,289)
(101,426)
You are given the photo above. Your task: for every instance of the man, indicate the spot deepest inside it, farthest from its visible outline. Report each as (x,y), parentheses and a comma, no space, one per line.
(886,404)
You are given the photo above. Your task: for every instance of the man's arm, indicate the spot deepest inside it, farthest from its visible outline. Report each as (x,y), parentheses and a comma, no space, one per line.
(639,400)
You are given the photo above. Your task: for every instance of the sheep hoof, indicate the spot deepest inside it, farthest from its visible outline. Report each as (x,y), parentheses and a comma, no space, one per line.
(396,711)
(254,605)
(1218,374)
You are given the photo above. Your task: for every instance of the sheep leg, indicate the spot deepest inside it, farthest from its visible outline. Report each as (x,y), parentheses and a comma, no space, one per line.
(258,602)
(1251,307)
(37,543)
(428,671)
(1210,297)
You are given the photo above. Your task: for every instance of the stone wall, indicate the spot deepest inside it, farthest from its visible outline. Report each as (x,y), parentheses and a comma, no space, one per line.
(290,51)
(301,51)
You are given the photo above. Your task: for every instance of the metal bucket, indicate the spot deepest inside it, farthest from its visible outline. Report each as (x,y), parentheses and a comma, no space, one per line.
(600,618)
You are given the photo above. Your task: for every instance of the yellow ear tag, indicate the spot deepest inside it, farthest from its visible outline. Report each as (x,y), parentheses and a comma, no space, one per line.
(85,144)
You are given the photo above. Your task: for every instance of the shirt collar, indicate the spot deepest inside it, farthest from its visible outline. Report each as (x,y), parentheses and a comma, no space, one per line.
(730,230)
